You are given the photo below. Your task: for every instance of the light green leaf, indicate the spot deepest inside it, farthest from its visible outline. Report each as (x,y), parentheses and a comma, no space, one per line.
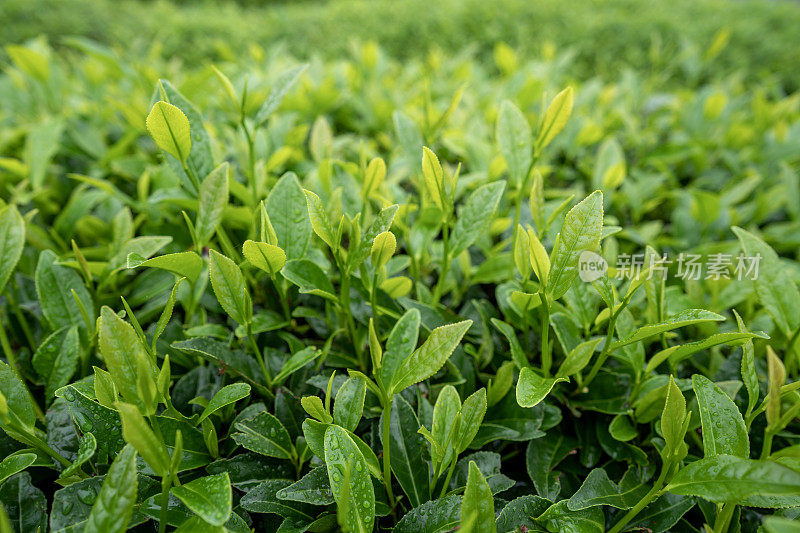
(349,404)
(169,127)
(687,317)
(15,463)
(776,291)
(278,92)
(434,177)
(724,431)
(445,410)
(230,288)
(580,232)
(296,362)
(472,412)
(208,497)
(597,489)
(350,481)
(225,396)
(264,434)
(382,223)
(211,203)
(121,350)
(267,257)
(477,506)
(555,118)
(12,241)
(430,357)
(288,213)
(609,170)
(533,388)
(185,264)
(475,215)
(401,343)
(113,507)
(319,219)
(515,140)
(578,358)
(725,478)
(138,433)
(673,422)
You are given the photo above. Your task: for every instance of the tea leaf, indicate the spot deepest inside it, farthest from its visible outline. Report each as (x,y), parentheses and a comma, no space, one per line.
(15,463)
(12,242)
(408,449)
(186,264)
(264,434)
(208,497)
(230,287)
(169,127)
(555,118)
(56,359)
(724,432)
(477,506)
(288,213)
(725,478)
(121,351)
(475,215)
(430,357)
(515,141)
(533,388)
(54,284)
(225,396)
(136,432)
(267,257)
(777,293)
(281,88)
(349,479)
(212,202)
(349,404)
(113,508)
(580,232)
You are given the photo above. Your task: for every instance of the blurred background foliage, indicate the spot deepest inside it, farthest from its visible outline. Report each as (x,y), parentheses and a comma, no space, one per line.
(603,37)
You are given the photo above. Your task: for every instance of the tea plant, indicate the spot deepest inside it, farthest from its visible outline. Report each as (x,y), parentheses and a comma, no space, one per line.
(339,299)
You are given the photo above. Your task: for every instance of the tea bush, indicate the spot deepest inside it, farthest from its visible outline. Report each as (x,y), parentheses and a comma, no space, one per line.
(365,294)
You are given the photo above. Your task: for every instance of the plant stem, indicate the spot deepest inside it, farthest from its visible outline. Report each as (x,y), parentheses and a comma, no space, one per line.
(260,358)
(598,364)
(279,288)
(724,517)
(344,302)
(12,362)
(437,291)
(447,479)
(387,465)
(766,448)
(372,297)
(517,213)
(165,486)
(251,160)
(547,356)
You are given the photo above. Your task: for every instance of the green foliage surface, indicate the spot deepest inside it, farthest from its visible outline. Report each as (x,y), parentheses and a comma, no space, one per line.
(244,291)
